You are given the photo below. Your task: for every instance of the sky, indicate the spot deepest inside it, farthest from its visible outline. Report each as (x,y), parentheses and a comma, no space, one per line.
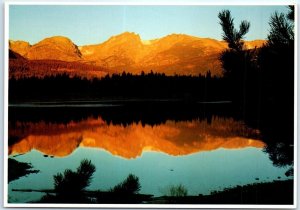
(92,24)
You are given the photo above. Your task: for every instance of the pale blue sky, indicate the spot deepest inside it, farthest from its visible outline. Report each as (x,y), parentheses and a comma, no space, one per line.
(95,24)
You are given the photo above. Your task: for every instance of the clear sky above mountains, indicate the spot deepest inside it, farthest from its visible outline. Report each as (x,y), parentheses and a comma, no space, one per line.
(95,24)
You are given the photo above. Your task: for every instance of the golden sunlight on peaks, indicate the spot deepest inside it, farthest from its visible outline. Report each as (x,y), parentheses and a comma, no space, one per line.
(20,47)
(173,138)
(180,54)
(54,48)
(146,42)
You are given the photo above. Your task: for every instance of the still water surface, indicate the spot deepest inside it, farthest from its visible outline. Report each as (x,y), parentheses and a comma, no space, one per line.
(203,154)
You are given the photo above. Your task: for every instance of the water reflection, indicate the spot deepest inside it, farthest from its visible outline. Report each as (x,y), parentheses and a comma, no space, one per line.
(200,173)
(18,169)
(201,149)
(171,137)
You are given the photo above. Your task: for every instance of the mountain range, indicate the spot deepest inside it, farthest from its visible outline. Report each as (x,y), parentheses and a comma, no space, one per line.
(173,54)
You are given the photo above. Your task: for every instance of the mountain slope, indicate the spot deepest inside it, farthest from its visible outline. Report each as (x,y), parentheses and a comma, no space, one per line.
(122,50)
(183,54)
(20,47)
(54,48)
(173,54)
(20,67)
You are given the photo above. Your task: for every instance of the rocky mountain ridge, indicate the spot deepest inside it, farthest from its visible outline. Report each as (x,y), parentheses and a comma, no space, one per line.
(173,54)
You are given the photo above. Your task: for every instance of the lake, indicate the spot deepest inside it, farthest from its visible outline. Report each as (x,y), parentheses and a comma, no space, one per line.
(202,146)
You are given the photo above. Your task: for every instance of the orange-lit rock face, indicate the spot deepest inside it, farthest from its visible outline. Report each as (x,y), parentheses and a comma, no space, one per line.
(173,54)
(254,44)
(54,48)
(20,47)
(173,138)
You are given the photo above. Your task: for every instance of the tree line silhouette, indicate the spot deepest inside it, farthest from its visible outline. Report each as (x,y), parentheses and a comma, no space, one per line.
(117,86)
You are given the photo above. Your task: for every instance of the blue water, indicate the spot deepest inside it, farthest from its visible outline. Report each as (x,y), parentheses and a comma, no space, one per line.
(199,173)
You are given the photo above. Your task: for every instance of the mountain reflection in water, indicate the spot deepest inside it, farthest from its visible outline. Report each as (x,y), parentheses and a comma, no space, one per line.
(130,141)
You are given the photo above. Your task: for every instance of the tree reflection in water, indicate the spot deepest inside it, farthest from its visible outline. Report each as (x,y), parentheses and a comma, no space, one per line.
(18,169)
